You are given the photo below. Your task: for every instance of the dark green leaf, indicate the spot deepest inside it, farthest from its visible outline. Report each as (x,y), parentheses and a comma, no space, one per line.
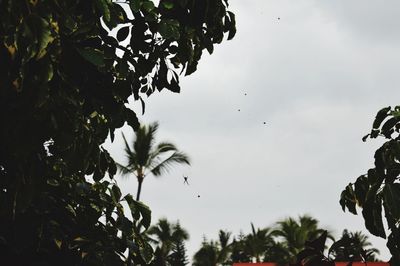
(123,33)
(135,5)
(167,4)
(380,116)
(372,213)
(102,5)
(232,31)
(148,6)
(94,56)
(391,194)
(361,187)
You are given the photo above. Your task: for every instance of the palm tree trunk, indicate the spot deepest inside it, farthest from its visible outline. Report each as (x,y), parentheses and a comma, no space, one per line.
(139,189)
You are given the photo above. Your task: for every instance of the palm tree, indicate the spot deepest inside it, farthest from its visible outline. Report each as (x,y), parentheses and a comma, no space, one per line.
(353,247)
(145,157)
(257,242)
(294,234)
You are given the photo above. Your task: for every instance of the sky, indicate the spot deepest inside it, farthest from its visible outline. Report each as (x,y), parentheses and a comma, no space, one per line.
(316,77)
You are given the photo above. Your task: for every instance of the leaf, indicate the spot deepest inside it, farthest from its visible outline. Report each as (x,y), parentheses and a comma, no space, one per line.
(143,105)
(319,243)
(123,33)
(169,29)
(102,5)
(167,4)
(44,36)
(94,56)
(132,119)
(53,182)
(391,194)
(361,187)
(58,243)
(232,31)
(139,209)
(148,6)
(347,199)
(387,128)
(372,213)
(135,5)
(380,116)
(116,193)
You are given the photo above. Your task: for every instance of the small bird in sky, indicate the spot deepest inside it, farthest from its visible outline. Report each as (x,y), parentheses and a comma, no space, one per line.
(279,18)
(185,180)
(245,94)
(238,110)
(265,123)
(198,196)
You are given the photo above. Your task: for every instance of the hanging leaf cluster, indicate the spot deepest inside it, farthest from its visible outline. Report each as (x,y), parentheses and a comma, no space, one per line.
(67,69)
(377,193)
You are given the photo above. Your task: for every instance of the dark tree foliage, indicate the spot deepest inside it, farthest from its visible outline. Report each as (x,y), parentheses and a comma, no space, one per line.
(378,191)
(238,253)
(178,256)
(64,83)
(352,247)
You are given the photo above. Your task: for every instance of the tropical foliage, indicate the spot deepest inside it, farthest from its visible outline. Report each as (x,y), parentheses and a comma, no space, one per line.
(379,189)
(169,240)
(280,243)
(353,246)
(67,69)
(146,157)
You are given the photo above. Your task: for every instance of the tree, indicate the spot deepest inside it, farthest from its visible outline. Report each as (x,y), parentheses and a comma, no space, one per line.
(214,253)
(294,234)
(257,242)
(145,157)
(238,253)
(169,239)
(207,255)
(54,117)
(178,255)
(353,247)
(379,189)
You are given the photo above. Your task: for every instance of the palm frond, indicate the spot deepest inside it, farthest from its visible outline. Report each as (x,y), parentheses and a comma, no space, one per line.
(162,147)
(175,158)
(124,170)
(144,141)
(127,147)
(165,147)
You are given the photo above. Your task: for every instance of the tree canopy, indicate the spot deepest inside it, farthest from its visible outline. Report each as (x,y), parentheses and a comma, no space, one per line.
(67,69)
(378,191)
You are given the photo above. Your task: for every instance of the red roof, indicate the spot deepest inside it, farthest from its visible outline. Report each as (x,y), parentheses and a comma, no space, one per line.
(336,263)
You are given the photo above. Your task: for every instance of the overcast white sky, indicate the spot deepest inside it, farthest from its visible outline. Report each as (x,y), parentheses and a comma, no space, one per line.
(317,77)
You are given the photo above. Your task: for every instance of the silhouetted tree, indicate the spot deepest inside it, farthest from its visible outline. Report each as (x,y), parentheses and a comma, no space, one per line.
(146,157)
(379,188)
(63,90)
(295,233)
(169,240)
(353,247)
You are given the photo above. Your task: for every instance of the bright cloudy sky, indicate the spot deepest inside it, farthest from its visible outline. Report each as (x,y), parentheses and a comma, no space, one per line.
(317,77)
